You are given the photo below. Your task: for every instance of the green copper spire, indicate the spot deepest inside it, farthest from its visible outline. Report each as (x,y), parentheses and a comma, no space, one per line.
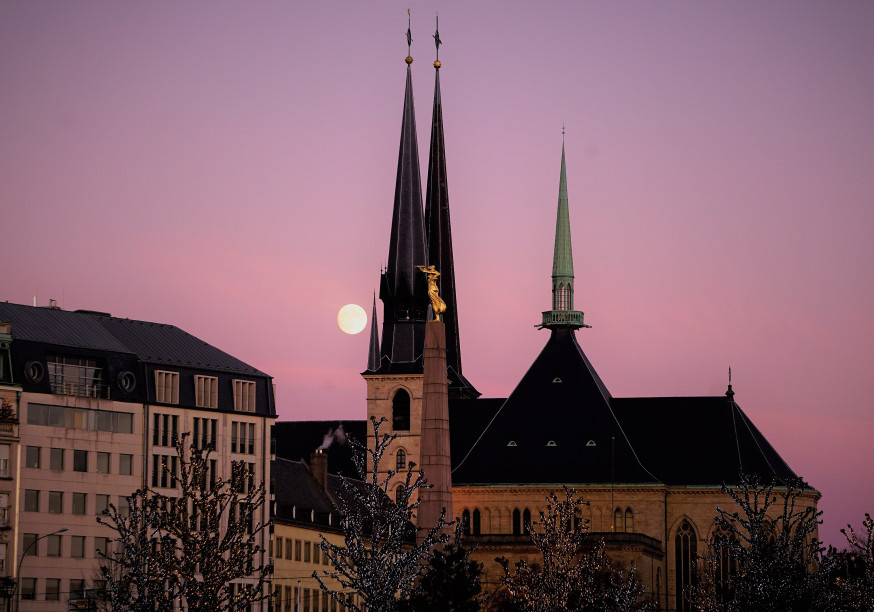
(562,313)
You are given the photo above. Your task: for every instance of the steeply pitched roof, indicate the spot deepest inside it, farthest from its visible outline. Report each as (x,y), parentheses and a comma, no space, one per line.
(556,427)
(156,343)
(698,440)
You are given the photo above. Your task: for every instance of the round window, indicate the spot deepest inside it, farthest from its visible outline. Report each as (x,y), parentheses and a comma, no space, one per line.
(127,382)
(34,371)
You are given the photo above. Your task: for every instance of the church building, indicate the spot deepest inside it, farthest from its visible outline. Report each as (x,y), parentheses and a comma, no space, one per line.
(650,467)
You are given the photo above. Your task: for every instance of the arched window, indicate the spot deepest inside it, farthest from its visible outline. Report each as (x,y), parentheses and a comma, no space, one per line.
(578,518)
(401,462)
(477,522)
(465,522)
(629,521)
(685,558)
(560,302)
(619,521)
(517,522)
(399,494)
(400,411)
(726,564)
(526,520)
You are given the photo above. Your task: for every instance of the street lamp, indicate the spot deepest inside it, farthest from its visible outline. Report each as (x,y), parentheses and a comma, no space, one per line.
(20,561)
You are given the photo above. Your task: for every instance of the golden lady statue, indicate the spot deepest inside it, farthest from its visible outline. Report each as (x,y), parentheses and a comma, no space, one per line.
(437,304)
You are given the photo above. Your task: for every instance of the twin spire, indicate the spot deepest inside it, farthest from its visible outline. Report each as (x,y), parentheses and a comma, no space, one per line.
(417,240)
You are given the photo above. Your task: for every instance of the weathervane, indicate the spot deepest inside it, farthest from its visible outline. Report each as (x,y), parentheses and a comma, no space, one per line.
(437,304)
(409,39)
(437,42)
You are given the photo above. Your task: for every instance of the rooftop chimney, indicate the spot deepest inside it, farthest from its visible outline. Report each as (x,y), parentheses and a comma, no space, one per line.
(319,467)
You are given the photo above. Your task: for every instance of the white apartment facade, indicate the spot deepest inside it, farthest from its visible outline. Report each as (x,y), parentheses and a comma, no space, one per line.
(99,403)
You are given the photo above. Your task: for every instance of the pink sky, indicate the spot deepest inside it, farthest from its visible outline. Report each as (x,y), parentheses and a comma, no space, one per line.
(229,168)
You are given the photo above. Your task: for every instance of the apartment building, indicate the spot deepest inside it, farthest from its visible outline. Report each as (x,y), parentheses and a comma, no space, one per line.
(98,403)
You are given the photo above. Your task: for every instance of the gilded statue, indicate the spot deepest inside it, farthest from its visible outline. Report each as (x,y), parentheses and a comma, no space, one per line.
(437,304)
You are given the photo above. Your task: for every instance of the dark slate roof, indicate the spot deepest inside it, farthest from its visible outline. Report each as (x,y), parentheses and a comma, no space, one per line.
(556,427)
(295,486)
(156,343)
(698,440)
(296,440)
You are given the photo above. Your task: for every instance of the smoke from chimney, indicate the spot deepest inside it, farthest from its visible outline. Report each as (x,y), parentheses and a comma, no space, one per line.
(333,435)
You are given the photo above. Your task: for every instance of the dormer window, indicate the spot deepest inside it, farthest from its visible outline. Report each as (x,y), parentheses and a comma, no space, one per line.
(75,376)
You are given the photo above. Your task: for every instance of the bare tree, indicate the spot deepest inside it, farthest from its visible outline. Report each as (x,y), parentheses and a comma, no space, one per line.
(192,547)
(574,572)
(380,558)
(765,555)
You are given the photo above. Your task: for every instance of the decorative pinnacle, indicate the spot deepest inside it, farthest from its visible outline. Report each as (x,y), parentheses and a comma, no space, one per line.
(409,59)
(437,43)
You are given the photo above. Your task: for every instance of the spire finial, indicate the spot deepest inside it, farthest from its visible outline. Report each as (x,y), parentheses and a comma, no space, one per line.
(409,59)
(437,43)
(730,392)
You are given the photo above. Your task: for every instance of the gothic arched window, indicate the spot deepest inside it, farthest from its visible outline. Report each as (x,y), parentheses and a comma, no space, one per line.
(685,558)
(726,564)
(561,301)
(465,522)
(476,522)
(400,411)
(526,520)
(399,494)
(401,461)
(619,521)
(629,521)
(517,522)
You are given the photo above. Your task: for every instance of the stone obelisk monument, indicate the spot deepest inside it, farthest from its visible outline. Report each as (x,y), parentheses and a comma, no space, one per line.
(435,460)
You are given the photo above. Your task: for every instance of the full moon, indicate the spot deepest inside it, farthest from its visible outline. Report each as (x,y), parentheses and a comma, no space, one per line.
(352,318)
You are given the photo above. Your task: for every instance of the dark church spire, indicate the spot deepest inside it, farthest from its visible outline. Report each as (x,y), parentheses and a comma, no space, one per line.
(563,313)
(439,235)
(373,351)
(402,289)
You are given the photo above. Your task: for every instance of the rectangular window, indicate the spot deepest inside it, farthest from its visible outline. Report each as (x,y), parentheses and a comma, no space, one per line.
(77,546)
(79,503)
(251,438)
(288,550)
(4,519)
(250,473)
(101,503)
(102,463)
(316,552)
(288,599)
(29,545)
(28,588)
(101,545)
(125,464)
(56,458)
(156,469)
(244,395)
(53,546)
(75,376)
(56,502)
(306,552)
(165,430)
(234,426)
(206,391)
(80,461)
(279,547)
(79,418)
(297,550)
(77,588)
(31,500)
(123,506)
(4,461)
(166,387)
(31,456)
(53,589)
(156,429)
